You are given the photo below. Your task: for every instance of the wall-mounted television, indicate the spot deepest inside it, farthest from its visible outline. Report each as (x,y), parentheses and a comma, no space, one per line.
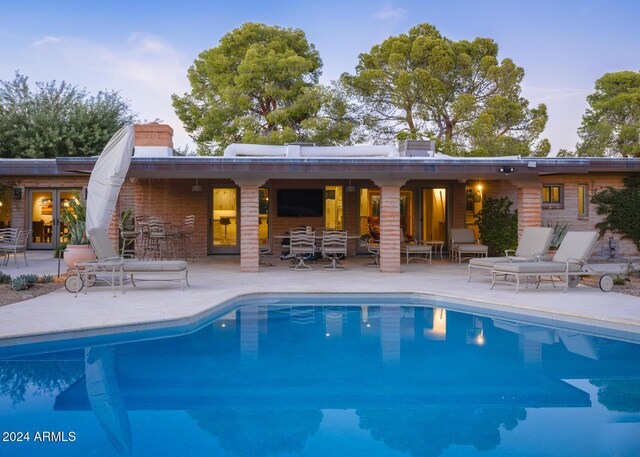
(300,203)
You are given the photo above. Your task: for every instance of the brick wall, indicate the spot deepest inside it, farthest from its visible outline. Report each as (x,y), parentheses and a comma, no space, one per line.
(458,208)
(249,253)
(390,229)
(568,213)
(173,200)
(529,205)
(20,208)
(153,135)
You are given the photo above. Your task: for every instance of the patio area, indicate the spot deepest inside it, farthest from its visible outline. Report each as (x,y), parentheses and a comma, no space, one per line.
(216,280)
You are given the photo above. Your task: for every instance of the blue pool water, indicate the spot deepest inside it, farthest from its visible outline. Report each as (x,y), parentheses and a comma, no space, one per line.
(347,377)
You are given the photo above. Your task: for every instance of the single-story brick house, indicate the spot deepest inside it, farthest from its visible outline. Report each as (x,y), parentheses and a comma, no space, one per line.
(256,193)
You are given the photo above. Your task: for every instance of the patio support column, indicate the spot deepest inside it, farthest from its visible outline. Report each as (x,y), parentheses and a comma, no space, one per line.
(249,211)
(390,225)
(529,206)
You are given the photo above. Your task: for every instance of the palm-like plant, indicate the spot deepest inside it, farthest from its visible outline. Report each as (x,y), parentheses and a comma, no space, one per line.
(75,217)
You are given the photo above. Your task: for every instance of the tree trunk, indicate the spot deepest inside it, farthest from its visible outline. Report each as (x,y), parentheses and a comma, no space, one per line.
(448,130)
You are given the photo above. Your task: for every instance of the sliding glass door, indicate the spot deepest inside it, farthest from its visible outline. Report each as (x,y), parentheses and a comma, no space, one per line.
(45,206)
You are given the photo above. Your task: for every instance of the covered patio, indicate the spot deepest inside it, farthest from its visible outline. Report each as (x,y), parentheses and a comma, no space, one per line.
(239,201)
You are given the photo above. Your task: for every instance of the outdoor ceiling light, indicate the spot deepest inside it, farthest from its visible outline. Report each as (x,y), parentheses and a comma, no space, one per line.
(506,170)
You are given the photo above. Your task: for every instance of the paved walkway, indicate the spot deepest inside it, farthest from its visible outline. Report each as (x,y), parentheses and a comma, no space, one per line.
(216,280)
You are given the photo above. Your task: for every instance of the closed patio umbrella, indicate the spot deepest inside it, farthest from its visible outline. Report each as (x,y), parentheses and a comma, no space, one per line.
(107,177)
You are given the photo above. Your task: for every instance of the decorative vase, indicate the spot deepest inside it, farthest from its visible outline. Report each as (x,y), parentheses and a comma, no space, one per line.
(78,253)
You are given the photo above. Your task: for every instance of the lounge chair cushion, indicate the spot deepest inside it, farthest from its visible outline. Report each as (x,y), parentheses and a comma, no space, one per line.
(489,262)
(534,240)
(576,245)
(150,266)
(535,267)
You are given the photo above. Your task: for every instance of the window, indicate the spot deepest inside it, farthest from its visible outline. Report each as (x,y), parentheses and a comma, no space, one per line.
(553,195)
(583,200)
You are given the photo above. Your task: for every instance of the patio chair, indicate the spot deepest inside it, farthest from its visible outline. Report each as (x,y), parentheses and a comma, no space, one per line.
(161,241)
(568,264)
(302,247)
(334,248)
(463,241)
(533,246)
(7,237)
(184,235)
(128,237)
(178,270)
(17,242)
(373,248)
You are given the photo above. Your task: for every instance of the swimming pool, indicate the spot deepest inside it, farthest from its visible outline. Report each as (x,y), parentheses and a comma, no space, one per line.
(325,376)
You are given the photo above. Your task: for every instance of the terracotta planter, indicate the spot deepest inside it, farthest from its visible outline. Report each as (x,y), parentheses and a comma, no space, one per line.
(78,253)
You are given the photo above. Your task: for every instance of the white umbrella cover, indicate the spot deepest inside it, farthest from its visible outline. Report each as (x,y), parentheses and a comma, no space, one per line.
(107,177)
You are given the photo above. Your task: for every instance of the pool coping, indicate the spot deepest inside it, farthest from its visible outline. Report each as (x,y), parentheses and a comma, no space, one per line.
(150,328)
(216,283)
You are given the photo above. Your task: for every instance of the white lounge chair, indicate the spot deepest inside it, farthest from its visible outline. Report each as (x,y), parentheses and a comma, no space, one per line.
(177,270)
(533,246)
(568,264)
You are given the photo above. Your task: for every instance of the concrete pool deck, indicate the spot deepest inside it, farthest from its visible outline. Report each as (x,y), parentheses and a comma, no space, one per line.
(217,280)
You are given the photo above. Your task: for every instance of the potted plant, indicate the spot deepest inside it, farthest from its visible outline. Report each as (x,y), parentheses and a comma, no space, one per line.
(74,218)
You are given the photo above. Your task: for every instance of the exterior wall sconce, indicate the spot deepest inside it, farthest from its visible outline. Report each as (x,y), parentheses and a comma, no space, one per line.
(506,170)
(196,187)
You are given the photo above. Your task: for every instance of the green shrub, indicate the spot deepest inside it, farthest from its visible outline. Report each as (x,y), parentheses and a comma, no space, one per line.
(74,219)
(59,251)
(621,208)
(45,279)
(498,225)
(23,282)
(31,278)
(4,278)
(620,280)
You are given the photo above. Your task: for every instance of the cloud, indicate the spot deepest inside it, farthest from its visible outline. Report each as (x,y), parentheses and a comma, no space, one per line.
(388,11)
(44,41)
(144,69)
(547,94)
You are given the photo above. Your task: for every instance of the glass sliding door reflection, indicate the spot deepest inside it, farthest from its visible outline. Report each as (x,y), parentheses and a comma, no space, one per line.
(43,210)
(224,225)
(263,215)
(333,207)
(434,214)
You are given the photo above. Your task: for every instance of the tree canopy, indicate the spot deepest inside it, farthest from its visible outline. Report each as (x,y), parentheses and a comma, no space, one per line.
(621,209)
(611,124)
(57,120)
(260,85)
(424,85)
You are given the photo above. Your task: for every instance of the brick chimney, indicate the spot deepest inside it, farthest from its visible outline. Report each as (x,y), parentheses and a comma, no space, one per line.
(153,140)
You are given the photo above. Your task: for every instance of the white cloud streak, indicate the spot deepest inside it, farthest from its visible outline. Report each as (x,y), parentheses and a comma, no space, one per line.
(144,69)
(388,11)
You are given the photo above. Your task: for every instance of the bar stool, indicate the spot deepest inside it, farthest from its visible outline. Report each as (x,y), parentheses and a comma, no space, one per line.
(225,221)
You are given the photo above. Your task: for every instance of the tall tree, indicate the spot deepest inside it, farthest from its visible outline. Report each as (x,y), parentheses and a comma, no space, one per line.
(611,124)
(260,85)
(424,85)
(57,120)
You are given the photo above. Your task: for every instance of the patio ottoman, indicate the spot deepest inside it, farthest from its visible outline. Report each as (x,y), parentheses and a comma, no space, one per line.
(471,250)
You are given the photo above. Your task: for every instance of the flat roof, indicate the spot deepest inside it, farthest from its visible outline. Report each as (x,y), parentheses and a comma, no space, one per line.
(401,168)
